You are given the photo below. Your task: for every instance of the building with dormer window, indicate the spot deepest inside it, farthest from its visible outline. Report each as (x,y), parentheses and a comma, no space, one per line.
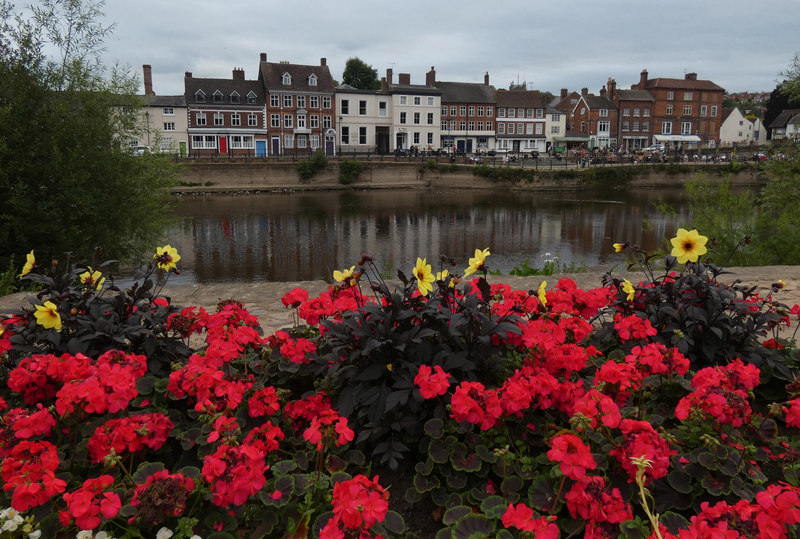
(521,123)
(225,116)
(467,114)
(299,105)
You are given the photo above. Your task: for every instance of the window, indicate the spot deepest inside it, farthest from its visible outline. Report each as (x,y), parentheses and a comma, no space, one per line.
(520,113)
(326,122)
(416,137)
(670,95)
(666,128)
(312,80)
(288,141)
(472,110)
(430,118)
(713,111)
(236,119)
(646,126)
(583,111)
(242,141)
(687,96)
(555,117)
(636,112)
(686,128)
(314,141)
(217,97)
(301,121)
(480,110)
(703,110)
(200,97)
(626,111)
(430,138)
(302,142)
(636,125)
(416,118)
(528,113)
(583,127)
(462,110)
(540,113)
(471,125)
(274,120)
(488,126)
(234,97)
(444,125)
(169,126)
(452,110)
(200,118)
(362,135)
(301,101)
(669,110)
(344,106)
(313,121)
(687,110)
(287,100)
(251,97)
(404,100)
(288,120)
(362,107)
(274,100)
(168,111)
(520,128)
(646,113)
(165,144)
(452,125)
(489,111)
(501,128)
(204,142)
(326,102)
(555,129)
(501,112)
(431,101)
(417,100)
(512,113)
(603,113)
(402,117)
(287,79)
(603,126)
(462,125)
(444,110)
(219,118)
(511,127)
(480,126)
(539,128)
(252,119)
(626,125)
(313,102)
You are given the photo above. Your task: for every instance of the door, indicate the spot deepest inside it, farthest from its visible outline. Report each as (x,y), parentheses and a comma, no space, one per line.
(182,146)
(329,149)
(276,145)
(261,148)
(223,144)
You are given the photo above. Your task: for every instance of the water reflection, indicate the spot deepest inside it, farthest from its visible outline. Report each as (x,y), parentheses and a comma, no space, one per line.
(305,236)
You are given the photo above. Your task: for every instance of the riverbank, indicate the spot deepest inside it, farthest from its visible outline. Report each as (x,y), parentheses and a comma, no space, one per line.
(264,299)
(221,177)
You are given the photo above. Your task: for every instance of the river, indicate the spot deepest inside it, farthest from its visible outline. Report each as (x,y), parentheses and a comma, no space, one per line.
(305,236)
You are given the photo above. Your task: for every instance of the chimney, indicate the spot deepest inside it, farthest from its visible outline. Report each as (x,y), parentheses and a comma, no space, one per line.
(263,56)
(389,76)
(148,80)
(404,78)
(384,85)
(564,93)
(603,90)
(691,76)
(238,73)
(430,77)
(188,74)
(584,91)
(643,80)
(486,79)
(612,88)
(323,62)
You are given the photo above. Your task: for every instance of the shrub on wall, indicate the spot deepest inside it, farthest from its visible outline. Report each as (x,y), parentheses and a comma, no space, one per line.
(349,169)
(309,169)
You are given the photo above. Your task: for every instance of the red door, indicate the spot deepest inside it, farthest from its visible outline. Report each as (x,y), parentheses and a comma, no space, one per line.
(223,144)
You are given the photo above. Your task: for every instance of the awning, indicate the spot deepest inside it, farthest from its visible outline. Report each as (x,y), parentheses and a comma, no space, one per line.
(676,138)
(571,139)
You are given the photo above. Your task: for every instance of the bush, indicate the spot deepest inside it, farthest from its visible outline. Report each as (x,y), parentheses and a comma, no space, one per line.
(315,164)
(349,169)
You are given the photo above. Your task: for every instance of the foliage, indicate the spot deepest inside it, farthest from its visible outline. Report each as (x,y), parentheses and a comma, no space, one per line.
(359,74)
(64,129)
(349,169)
(311,167)
(550,266)
(558,428)
(791,83)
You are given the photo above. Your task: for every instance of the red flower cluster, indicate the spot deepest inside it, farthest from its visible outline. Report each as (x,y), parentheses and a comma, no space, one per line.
(432,382)
(27,424)
(161,496)
(189,321)
(234,473)
(641,440)
(721,392)
(590,499)
(473,403)
(263,402)
(522,518)
(88,502)
(295,350)
(574,456)
(293,298)
(129,435)
(29,473)
(205,380)
(39,377)
(328,426)
(358,504)
(633,327)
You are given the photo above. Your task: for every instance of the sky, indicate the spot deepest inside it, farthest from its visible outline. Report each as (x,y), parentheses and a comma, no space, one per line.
(741,45)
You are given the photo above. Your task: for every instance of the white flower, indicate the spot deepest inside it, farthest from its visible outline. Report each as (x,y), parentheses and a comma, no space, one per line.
(103,535)
(11,524)
(84,534)
(8,513)
(195,537)
(35,535)
(164,533)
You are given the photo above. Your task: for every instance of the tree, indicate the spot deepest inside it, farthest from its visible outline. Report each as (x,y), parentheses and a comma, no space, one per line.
(360,75)
(791,83)
(68,181)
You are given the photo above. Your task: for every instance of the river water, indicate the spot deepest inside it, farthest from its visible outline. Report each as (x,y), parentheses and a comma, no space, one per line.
(305,236)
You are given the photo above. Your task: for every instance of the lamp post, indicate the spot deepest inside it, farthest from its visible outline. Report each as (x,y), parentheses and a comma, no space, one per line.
(339,136)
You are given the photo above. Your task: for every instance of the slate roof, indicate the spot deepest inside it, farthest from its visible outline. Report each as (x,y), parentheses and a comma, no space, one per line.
(520,99)
(635,95)
(466,92)
(271,76)
(726,111)
(225,86)
(783,118)
(599,102)
(163,100)
(418,89)
(683,84)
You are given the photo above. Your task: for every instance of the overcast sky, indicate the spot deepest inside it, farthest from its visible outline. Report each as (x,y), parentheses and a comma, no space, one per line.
(738,44)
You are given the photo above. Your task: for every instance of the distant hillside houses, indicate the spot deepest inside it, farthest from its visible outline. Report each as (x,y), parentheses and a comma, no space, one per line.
(297,109)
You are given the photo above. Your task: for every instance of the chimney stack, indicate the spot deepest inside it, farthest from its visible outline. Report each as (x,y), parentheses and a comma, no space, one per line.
(486,78)
(584,91)
(188,74)
(430,77)
(691,76)
(389,76)
(404,78)
(384,85)
(148,80)
(323,62)
(263,56)
(643,80)
(612,88)
(564,93)
(238,73)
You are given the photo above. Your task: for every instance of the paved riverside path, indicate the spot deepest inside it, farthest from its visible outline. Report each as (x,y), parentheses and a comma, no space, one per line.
(264,299)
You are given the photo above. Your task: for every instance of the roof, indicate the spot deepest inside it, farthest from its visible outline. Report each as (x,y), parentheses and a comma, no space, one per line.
(271,75)
(347,89)
(520,98)
(683,84)
(726,111)
(598,102)
(418,89)
(466,92)
(226,87)
(163,100)
(634,95)
(783,118)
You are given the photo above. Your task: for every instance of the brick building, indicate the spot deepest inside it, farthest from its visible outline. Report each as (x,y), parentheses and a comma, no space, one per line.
(468,111)
(521,120)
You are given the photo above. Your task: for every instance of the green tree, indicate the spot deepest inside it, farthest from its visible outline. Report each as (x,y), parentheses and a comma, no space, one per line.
(360,75)
(68,181)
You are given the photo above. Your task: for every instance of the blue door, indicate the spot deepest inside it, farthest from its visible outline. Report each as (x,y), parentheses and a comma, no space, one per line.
(261,148)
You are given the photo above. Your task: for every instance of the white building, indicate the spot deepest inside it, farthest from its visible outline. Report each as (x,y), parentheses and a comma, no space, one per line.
(415,111)
(364,120)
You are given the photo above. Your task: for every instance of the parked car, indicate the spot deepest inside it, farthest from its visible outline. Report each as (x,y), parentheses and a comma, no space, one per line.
(140,150)
(655,148)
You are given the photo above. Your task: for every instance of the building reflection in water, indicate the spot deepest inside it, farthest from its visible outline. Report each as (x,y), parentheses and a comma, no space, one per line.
(305,236)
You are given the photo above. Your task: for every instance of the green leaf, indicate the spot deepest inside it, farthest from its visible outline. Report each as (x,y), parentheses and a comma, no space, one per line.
(192,472)
(473,527)
(673,522)
(680,481)
(452,515)
(707,460)
(145,384)
(438,451)
(213,518)
(283,467)
(146,469)
(434,428)
(425,484)
(394,523)
(494,506)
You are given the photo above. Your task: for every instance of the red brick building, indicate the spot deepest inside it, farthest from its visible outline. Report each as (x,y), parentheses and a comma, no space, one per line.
(635,119)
